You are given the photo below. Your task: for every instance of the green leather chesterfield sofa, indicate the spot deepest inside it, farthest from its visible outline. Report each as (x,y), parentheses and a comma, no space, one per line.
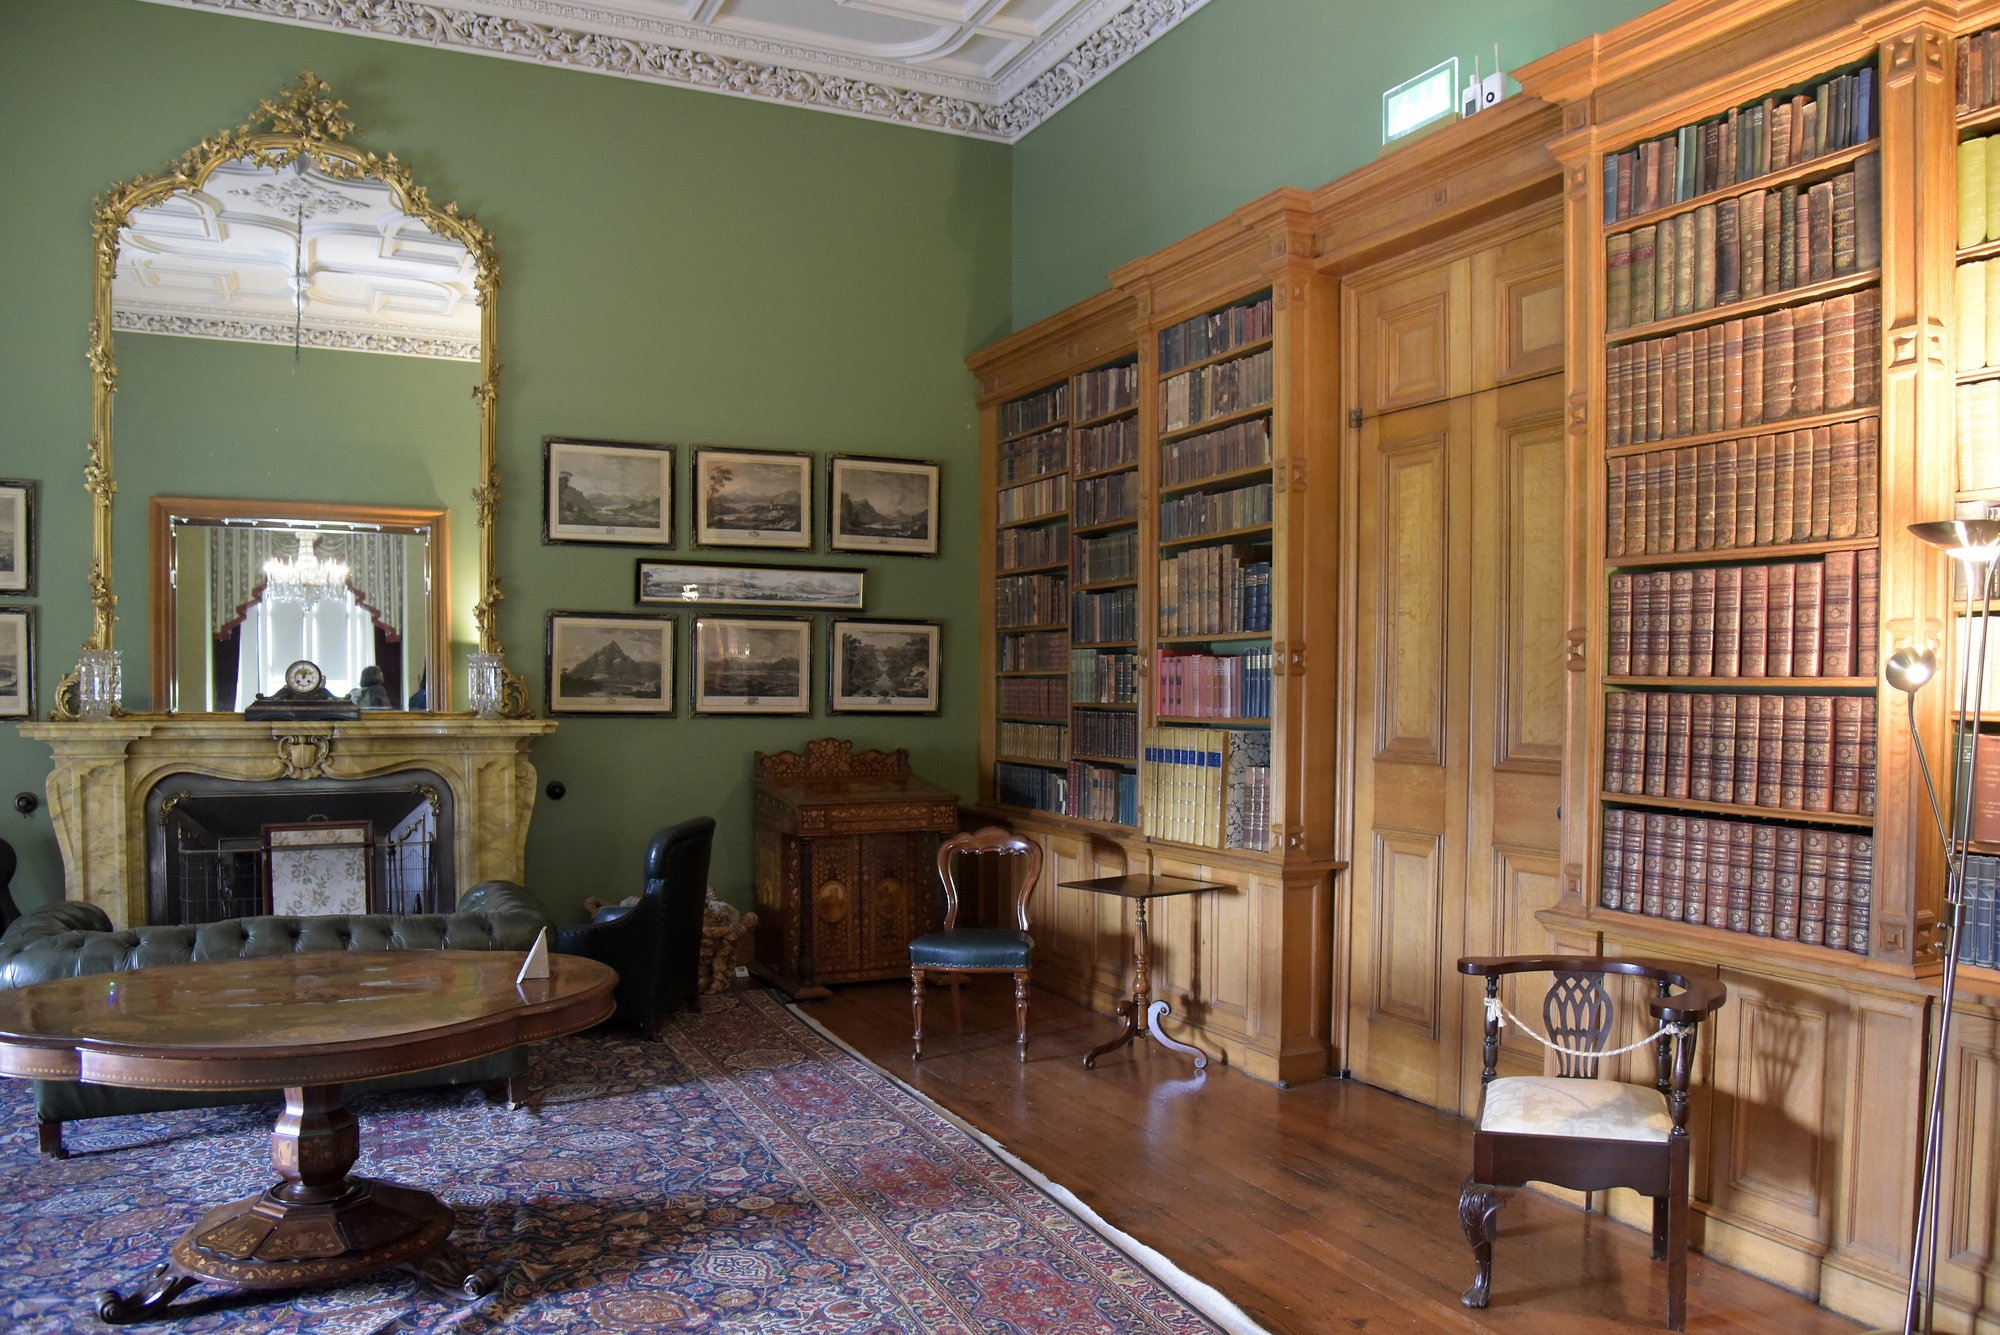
(67,939)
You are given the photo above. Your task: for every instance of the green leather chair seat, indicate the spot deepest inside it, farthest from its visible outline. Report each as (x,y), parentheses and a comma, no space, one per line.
(973,948)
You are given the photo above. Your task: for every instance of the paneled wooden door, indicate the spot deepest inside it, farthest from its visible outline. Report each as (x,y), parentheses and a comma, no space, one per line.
(1459,675)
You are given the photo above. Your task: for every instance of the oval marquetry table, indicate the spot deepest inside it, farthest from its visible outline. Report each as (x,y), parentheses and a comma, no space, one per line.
(306,1024)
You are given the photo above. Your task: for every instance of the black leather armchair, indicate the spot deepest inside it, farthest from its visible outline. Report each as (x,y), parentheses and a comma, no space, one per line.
(655,945)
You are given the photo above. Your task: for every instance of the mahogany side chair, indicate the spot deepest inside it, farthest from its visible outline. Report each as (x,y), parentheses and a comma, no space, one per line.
(1574,1130)
(957,951)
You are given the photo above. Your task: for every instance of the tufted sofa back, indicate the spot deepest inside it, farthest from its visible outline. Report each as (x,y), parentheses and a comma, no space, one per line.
(67,939)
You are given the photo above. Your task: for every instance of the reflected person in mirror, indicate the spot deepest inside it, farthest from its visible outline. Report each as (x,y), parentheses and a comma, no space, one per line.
(371,693)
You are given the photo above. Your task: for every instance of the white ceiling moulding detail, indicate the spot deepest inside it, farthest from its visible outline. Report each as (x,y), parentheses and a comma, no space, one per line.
(311,336)
(987,69)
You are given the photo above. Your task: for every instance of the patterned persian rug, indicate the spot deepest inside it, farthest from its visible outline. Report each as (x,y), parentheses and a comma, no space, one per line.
(745,1175)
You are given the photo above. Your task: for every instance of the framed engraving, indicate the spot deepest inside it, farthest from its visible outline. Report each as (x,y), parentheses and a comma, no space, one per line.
(753,498)
(673,582)
(878,666)
(751,665)
(611,662)
(17,662)
(319,867)
(607,491)
(882,505)
(17,539)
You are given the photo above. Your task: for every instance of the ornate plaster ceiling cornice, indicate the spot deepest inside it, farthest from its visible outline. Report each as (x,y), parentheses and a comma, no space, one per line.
(986,69)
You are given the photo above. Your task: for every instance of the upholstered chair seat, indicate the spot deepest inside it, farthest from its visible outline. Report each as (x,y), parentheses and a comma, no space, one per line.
(973,948)
(1542,1105)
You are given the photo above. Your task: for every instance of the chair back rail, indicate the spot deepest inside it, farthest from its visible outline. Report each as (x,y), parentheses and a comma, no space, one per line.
(989,839)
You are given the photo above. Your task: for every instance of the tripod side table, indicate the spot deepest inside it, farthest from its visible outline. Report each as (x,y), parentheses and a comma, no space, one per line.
(1140,1012)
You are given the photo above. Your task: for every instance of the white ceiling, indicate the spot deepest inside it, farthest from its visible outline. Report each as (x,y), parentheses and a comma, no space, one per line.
(264,255)
(991,69)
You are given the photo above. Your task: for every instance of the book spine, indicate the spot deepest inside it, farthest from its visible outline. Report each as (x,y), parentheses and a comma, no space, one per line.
(1778,620)
(1693,899)
(1806,597)
(1763,878)
(1701,748)
(1612,869)
(1844,772)
(1867,610)
(1679,744)
(1755,608)
(1785,886)
(1618,626)
(1728,620)
(1722,749)
(1701,657)
(1792,755)
(1837,607)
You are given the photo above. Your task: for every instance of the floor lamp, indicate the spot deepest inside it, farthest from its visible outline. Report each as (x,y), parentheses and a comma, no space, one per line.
(1974,543)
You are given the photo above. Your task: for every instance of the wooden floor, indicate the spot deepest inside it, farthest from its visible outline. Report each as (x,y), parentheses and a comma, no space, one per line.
(1329,1207)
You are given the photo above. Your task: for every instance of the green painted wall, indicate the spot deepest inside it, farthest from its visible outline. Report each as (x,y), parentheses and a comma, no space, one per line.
(679,267)
(1243,97)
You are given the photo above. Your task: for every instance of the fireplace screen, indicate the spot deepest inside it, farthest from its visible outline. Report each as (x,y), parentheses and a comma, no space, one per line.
(229,849)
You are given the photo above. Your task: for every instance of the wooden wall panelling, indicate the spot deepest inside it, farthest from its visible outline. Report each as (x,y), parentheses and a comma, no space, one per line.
(1888,1037)
(1969,1241)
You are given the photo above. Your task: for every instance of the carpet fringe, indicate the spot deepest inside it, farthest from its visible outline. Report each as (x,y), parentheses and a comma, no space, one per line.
(1205,1297)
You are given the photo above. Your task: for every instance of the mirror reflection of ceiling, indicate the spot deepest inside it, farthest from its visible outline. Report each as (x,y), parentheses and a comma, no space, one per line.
(990,69)
(231,260)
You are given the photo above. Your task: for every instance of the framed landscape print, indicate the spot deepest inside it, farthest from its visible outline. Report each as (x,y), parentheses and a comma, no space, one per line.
(17,538)
(751,665)
(607,491)
(882,505)
(611,662)
(753,498)
(671,582)
(882,667)
(17,662)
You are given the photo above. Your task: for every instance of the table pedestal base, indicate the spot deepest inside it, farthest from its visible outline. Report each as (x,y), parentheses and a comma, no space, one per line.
(318,1226)
(1142,1004)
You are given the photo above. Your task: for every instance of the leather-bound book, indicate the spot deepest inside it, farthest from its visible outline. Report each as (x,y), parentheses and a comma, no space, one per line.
(1698,422)
(1687,498)
(1821,509)
(1684,263)
(1630,891)
(1614,507)
(1788,251)
(1722,749)
(1792,755)
(1808,361)
(1778,369)
(1749,742)
(1652,888)
(1763,878)
(1843,224)
(1618,281)
(1661,584)
(1865,768)
(1753,370)
(1614,397)
(1680,740)
(1729,253)
(1706,227)
(1701,748)
(1756,605)
(1836,616)
(1752,226)
(1860,891)
(1623,201)
(1783,487)
(1818,794)
(1770,750)
(1656,351)
(1811,122)
(1867,611)
(1742,835)
(1839,898)
(1867,512)
(1711,158)
(1637,475)
(1867,348)
(1611,870)
(1812,869)
(1725,494)
(1694,866)
(1785,886)
(1843,480)
(1618,626)
(1774,241)
(1640,284)
(1684,384)
(1802,486)
(1647,188)
(1802,237)
(1812,901)
(1846,780)
(1656,744)
(1721,846)
(1807,582)
(1819,242)
(1868,213)
(1659,500)
(1634,754)
(1614,741)
(1728,620)
(1701,624)
(1732,376)
(1680,625)
(1718,375)
(1837,320)
(1673,871)
(1746,492)
(1778,625)
(1780,123)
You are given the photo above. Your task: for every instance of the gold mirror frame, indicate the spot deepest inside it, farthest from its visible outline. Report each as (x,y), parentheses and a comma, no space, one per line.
(302,122)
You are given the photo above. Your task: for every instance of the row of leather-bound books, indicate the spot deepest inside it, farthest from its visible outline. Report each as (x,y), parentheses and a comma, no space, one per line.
(1785,882)
(1737,249)
(1034,410)
(1811,485)
(1789,619)
(1977,70)
(1823,357)
(1811,753)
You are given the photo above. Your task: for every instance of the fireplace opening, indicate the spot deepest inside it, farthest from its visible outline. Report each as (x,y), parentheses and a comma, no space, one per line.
(230,848)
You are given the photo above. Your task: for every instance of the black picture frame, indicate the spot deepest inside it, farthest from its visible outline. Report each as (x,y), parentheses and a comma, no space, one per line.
(702,703)
(17,538)
(838,664)
(17,662)
(708,460)
(577,704)
(556,531)
(650,573)
(847,532)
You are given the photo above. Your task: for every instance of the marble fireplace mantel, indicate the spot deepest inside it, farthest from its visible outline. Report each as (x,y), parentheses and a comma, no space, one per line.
(103,771)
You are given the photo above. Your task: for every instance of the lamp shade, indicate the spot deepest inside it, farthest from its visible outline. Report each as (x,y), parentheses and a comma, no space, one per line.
(1910,670)
(1966,539)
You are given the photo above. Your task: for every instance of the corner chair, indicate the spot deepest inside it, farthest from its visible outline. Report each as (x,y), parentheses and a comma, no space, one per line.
(655,944)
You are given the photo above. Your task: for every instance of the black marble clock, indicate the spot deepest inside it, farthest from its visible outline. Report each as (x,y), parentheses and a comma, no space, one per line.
(303,698)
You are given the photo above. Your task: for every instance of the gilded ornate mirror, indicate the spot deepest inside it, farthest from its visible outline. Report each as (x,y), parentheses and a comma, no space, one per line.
(282,233)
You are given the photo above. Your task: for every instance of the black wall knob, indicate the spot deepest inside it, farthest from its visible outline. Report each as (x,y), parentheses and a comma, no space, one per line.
(555,790)
(26,803)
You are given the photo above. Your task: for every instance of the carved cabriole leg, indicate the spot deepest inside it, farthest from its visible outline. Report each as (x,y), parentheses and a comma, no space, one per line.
(1021,1013)
(917,1014)
(1478,1204)
(163,1283)
(48,1137)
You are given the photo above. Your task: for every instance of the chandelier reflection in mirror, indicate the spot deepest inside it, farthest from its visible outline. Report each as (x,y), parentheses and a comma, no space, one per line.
(305,581)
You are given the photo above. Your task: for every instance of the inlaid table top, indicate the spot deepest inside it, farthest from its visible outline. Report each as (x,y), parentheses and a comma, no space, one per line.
(1144,886)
